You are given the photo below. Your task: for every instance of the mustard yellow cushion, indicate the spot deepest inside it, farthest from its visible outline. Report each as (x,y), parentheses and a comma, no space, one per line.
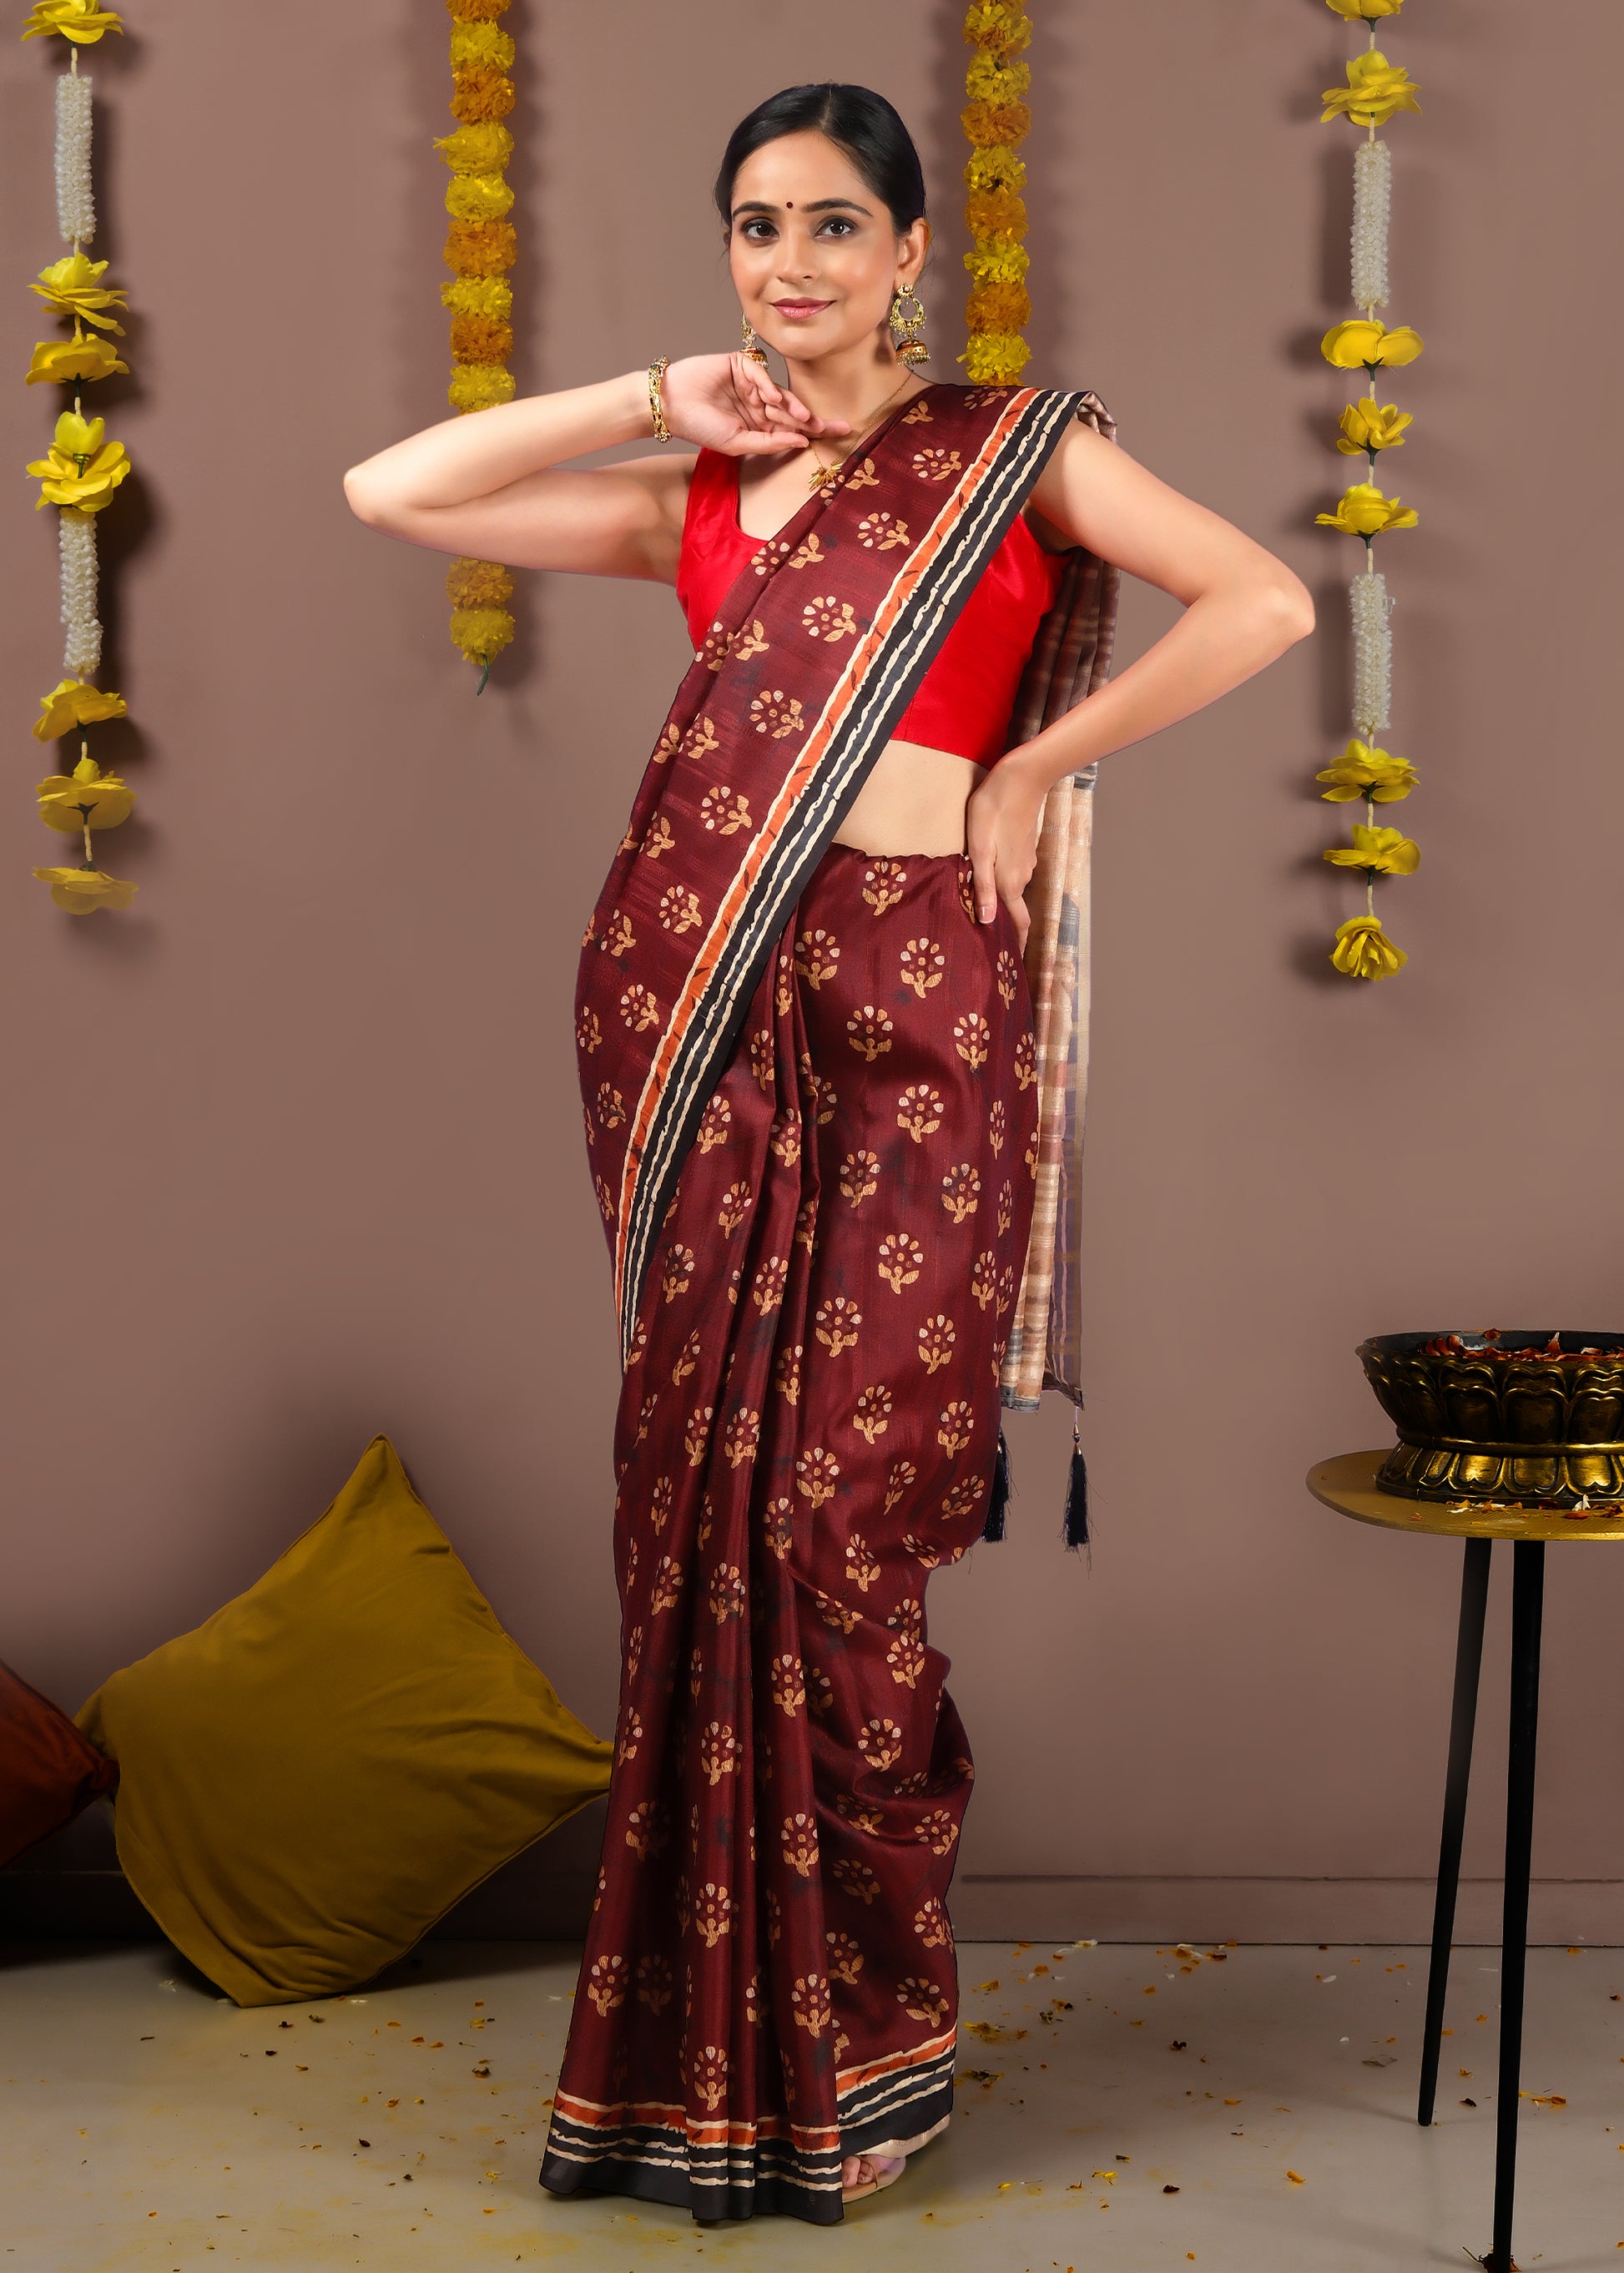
(312,1777)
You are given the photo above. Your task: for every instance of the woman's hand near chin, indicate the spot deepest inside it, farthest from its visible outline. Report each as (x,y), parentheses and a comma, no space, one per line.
(1002,820)
(732,403)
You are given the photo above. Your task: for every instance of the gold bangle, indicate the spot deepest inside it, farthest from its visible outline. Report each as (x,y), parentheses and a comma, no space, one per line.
(657,372)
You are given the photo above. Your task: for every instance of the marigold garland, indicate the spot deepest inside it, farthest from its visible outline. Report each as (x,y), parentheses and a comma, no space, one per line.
(1375,90)
(80,474)
(995,117)
(481,245)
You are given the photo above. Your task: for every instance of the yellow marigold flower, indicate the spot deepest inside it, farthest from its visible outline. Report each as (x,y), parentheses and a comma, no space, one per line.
(991,78)
(993,24)
(998,264)
(996,212)
(1368,424)
(997,308)
(83,890)
(79,20)
(82,469)
(995,358)
(987,123)
(480,43)
(477,338)
(480,248)
(1362,340)
(69,285)
(478,295)
(84,357)
(481,632)
(1362,771)
(75,702)
(1384,851)
(477,196)
(84,799)
(476,149)
(1363,951)
(1363,511)
(477,386)
(472,583)
(995,168)
(1375,89)
(481,94)
(472,11)
(1354,9)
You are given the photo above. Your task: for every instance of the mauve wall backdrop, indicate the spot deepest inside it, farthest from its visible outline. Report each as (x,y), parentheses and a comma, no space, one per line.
(295,1151)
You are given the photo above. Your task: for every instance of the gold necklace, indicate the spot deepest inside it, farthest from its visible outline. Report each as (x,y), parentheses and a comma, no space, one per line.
(826,472)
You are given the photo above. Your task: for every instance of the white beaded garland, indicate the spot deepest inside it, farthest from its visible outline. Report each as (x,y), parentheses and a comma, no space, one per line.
(76,212)
(77,538)
(1372,200)
(1372,655)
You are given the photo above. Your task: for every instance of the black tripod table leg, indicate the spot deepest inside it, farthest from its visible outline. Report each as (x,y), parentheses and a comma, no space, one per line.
(1463,1719)
(1528,1593)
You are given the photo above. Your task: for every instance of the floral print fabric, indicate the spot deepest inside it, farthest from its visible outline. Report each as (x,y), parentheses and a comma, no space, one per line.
(807,1429)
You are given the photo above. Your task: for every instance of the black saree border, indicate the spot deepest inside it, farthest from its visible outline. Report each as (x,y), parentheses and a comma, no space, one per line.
(977,522)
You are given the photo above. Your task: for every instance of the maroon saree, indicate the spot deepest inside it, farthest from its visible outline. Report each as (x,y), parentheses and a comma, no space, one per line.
(809,1079)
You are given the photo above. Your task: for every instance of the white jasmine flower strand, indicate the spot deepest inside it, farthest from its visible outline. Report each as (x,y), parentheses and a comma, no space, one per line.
(77,534)
(76,212)
(1372,200)
(1372,655)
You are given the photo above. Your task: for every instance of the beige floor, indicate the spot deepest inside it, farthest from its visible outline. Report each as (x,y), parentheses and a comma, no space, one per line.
(1120,2108)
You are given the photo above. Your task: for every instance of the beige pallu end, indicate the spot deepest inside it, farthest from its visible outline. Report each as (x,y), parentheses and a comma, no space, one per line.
(1071,657)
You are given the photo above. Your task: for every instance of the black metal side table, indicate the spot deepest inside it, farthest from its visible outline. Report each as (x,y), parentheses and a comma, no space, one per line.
(1348,1485)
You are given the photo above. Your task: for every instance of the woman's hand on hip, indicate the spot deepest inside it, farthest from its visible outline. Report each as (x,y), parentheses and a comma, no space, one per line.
(1002,819)
(732,403)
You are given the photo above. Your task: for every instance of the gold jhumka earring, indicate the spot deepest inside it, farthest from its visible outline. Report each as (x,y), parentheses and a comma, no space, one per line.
(911,347)
(753,347)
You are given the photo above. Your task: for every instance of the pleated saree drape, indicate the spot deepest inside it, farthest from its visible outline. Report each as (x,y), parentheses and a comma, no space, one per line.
(813,1089)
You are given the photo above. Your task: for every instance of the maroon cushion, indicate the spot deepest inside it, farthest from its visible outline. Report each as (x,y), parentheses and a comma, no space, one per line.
(48,1770)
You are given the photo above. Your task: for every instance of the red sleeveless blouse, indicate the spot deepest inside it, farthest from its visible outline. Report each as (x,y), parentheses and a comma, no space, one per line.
(963,703)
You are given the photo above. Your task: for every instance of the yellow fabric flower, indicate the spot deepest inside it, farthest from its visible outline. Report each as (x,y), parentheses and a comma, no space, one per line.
(83,890)
(480,248)
(1363,511)
(1368,424)
(1375,89)
(83,357)
(987,124)
(995,214)
(75,702)
(997,308)
(82,469)
(69,285)
(1362,771)
(477,149)
(1362,340)
(84,799)
(1363,951)
(79,20)
(1355,10)
(1384,851)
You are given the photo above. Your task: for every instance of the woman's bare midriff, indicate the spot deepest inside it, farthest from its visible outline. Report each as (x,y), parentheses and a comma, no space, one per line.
(912,801)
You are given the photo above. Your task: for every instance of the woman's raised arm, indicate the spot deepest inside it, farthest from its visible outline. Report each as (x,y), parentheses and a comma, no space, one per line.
(490,484)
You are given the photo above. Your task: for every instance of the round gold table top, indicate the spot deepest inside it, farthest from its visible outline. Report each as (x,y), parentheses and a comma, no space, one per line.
(1348,1483)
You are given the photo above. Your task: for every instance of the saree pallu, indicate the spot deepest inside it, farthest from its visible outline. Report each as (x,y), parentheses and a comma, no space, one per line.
(805,1430)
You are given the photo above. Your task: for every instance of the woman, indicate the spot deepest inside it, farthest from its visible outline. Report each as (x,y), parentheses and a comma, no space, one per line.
(806,1050)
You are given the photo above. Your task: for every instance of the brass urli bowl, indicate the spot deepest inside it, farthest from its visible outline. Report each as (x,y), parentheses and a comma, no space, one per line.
(1536,1431)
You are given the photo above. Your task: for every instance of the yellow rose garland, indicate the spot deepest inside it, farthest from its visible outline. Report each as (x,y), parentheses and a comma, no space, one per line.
(996,118)
(81,475)
(1375,90)
(480,247)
